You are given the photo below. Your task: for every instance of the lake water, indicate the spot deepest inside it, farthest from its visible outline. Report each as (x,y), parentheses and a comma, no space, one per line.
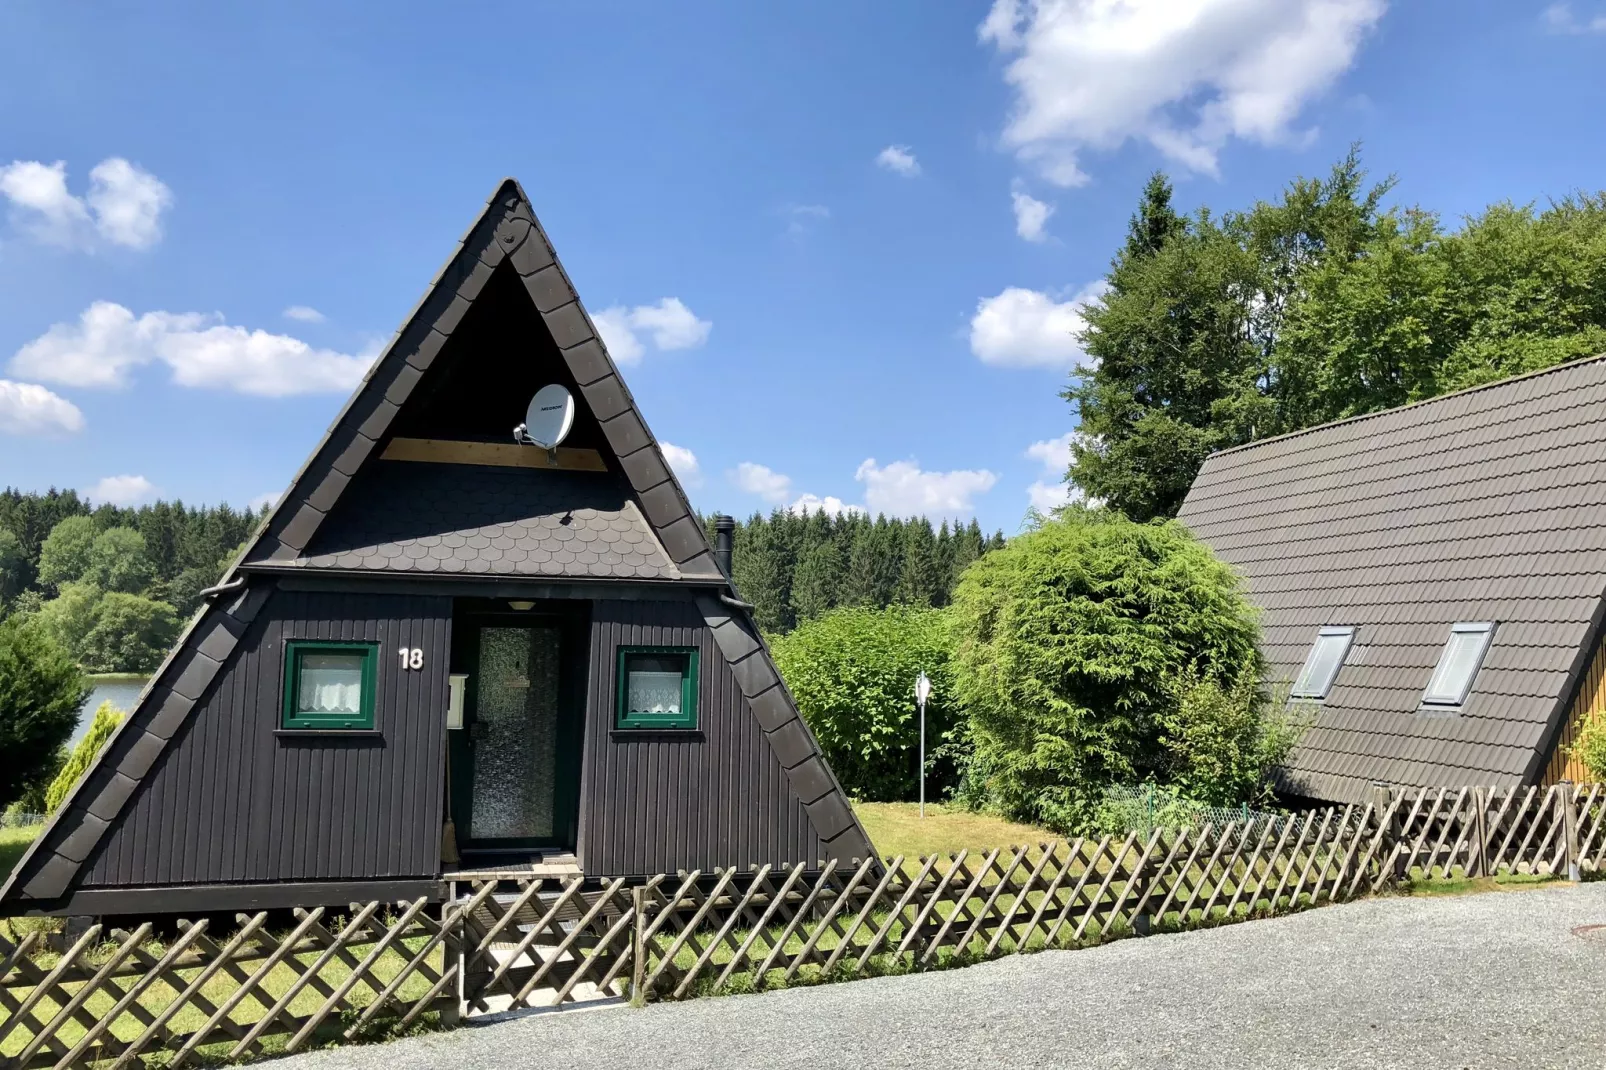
(120,693)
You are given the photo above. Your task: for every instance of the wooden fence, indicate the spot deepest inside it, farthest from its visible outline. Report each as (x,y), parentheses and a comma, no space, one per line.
(111,997)
(1437,832)
(503,943)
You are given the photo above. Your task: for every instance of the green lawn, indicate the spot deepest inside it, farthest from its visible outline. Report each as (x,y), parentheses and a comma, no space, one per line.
(898,829)
(1458,884)
(12,843)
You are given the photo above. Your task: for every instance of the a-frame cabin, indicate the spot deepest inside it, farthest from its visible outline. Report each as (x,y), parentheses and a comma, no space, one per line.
(620,713)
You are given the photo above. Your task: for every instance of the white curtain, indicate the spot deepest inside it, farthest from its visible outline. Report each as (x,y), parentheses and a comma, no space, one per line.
(654,692)
(330,683)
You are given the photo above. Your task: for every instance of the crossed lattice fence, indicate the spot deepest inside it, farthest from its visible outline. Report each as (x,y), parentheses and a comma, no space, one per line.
(1437,832)
(113,996)
(116,998)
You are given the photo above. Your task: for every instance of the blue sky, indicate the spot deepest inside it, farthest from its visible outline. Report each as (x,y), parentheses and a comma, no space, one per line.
(810,314)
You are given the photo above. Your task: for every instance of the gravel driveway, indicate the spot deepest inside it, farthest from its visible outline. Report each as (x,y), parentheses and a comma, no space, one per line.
(1490,980)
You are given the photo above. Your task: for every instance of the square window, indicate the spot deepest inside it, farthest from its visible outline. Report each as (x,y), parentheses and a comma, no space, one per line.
(657,687)
(1458,664)
(1322,664)
(329,685)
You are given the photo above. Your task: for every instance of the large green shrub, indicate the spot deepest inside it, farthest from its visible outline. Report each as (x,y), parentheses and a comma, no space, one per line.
(853,672)
(1069,645)
(1222,741)
(107,718)
(41,690)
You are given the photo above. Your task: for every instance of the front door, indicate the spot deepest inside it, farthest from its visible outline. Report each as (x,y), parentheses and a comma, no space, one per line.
(516,760)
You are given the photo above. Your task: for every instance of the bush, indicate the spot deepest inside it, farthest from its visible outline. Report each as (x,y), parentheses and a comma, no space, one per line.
(107,718)
(41,690)
(1222,742)
(1590,747)
(853,673)
(1070,642)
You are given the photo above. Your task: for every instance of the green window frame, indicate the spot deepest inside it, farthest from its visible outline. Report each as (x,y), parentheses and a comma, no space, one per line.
(655,659)
(296,652)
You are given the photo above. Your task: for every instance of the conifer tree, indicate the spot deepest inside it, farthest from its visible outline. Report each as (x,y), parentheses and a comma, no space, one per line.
(817,583)
(761,571)
(918,582)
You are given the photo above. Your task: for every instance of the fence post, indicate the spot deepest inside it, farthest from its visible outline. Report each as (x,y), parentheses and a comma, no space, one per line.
(1390,864)
(638,946)
(1569,826)
(1478,861)
(452,954)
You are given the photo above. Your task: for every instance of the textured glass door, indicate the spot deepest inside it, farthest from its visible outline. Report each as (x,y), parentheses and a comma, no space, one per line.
(515,734)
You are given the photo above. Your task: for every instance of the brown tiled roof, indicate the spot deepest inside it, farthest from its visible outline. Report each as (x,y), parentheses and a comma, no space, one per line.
(1484,505)
(402,516)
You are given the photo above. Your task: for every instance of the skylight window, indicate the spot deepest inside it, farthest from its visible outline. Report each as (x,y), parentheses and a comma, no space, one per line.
(1322,665)
(1459,663)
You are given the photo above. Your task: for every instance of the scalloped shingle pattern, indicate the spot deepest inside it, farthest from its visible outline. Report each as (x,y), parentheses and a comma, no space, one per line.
(1489,504)
(469,519)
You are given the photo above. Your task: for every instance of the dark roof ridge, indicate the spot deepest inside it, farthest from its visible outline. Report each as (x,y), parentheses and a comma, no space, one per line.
(1411,404)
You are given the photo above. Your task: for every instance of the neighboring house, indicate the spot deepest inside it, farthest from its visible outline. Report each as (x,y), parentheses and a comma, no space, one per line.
(1430,580)
(620,715)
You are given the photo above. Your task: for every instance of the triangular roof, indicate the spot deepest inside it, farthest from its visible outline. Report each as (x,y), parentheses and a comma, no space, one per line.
(506,235)
(1488,504)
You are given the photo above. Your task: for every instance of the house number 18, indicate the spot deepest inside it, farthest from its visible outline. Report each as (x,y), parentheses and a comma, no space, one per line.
(412,657)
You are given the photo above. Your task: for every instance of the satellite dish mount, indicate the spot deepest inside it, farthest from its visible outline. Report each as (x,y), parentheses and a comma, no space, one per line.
(547,421)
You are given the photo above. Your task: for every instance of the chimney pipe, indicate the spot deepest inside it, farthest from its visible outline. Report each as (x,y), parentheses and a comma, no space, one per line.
(724,526)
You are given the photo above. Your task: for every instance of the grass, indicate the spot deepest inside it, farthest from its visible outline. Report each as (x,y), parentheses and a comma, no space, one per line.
(897,829)
(1460,884)
(115,677)
(12,843)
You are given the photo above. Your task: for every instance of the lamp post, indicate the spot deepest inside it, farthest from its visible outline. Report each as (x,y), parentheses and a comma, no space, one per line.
(922,692)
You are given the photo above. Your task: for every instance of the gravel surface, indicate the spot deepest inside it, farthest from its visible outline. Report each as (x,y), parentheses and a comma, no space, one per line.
(1490,980)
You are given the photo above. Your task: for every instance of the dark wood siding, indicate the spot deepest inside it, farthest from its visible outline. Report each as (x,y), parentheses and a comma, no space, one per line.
(229,800)
(658,802)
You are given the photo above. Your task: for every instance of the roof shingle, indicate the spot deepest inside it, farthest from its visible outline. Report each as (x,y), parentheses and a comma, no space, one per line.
(1489,504)
(404,516)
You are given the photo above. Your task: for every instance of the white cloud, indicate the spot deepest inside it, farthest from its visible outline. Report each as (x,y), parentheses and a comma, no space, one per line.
(108,341)
(128,203)
(613,324)
(684,462)
(801,218)
(29,409)
(1031,215)
(122,490)
(1053,453)
(670,324)
(123,206)
(1055,456)
(1093,74)
(1047,497)
(270,498)
(767,483)
(902,489)
(899,160)
(303,314)
(1559,18)
(809,504)
(1029,329)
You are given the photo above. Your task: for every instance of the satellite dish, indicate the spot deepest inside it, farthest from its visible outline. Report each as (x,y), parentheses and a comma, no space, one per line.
(550,416)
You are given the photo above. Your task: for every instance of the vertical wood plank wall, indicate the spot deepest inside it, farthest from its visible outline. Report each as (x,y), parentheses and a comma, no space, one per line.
(656,802)
(1589,702)
(229,800)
